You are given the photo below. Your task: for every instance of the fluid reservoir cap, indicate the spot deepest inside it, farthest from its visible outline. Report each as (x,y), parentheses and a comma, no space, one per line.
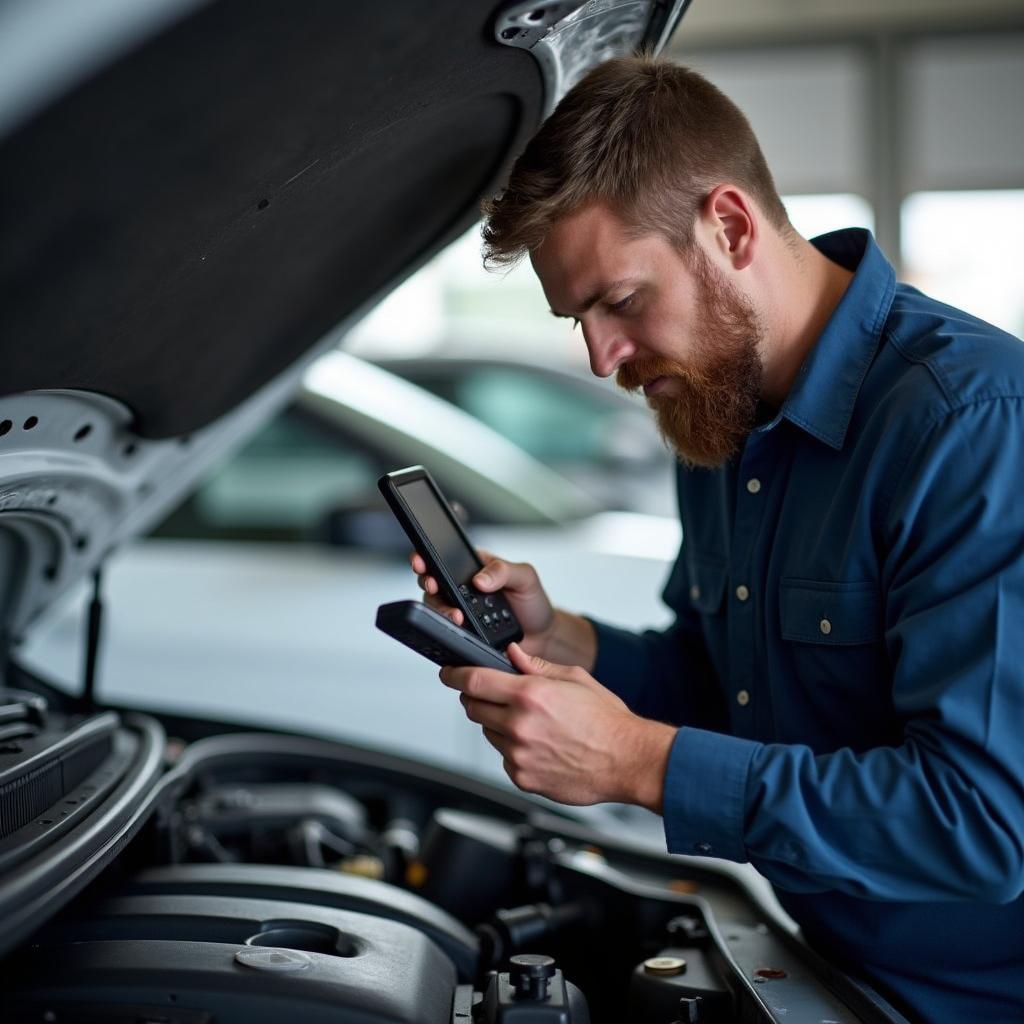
(666,966)
(277,961)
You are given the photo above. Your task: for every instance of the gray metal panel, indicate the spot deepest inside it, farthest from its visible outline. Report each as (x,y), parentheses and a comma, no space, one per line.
(964,116)
(807,107)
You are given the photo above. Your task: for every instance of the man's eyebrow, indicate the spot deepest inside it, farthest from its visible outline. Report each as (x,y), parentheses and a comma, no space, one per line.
(596,296)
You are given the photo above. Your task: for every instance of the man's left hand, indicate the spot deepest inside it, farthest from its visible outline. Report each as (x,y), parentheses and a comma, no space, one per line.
(563,735)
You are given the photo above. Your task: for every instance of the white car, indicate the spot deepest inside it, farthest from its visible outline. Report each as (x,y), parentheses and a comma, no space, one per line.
(241,596)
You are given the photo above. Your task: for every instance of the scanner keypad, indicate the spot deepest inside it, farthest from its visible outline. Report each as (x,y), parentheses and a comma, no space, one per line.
(491,610)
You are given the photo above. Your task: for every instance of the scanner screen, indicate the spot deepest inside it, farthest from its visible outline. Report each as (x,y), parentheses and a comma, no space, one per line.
(460,561)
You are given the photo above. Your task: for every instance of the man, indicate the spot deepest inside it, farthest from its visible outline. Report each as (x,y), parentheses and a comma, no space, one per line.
(840,700)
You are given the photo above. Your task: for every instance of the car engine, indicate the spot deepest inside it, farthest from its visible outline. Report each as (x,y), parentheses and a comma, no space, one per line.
(262,877)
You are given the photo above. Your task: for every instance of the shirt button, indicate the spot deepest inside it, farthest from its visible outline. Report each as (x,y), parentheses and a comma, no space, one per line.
(825,626)
(702,847)
(753,485)
(742,593)
(743,698)
(695,592)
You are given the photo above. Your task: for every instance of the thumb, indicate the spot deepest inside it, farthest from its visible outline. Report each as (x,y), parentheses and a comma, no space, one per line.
(533,665)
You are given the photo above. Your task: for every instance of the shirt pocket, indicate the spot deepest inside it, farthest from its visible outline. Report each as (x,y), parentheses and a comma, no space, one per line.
(834,614)
(835,636)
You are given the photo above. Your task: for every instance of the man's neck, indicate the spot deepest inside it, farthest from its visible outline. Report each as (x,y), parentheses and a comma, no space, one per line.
(804,288)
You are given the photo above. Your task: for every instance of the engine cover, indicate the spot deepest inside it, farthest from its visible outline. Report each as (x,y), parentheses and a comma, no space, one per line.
(261,961)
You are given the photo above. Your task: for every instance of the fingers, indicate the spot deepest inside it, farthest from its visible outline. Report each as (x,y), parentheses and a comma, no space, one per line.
(423,578)
(533,665)
(427,582)
(528,664)
(432,591)
(497,573)
(496,740)
(442,608)
(488,684)
(494,718)
(493,576)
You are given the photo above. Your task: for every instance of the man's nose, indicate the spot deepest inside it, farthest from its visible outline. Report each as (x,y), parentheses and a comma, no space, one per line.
(607,347)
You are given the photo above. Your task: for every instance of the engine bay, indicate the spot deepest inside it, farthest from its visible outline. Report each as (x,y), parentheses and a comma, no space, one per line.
(261,876)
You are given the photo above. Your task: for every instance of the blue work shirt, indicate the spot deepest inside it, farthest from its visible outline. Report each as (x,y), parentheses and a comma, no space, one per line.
(847,659)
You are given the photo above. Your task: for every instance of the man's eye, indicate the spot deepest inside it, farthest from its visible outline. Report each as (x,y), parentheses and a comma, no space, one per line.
(618,307)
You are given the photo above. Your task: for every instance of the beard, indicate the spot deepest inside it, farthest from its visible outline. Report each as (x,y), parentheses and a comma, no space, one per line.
(710,405)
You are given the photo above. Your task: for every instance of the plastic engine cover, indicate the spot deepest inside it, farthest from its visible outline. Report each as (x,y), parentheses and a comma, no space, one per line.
(260,961)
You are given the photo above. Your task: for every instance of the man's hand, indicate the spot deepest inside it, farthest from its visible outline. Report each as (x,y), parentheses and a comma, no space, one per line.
(563,735)
(547,631)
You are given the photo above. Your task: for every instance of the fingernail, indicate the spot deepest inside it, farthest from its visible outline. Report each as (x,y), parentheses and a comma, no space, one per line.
(483,577)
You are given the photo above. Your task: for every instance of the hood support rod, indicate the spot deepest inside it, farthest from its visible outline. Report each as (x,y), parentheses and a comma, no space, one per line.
(92,638)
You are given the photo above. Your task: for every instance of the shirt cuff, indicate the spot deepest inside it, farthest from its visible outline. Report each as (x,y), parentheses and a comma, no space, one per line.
(705,794)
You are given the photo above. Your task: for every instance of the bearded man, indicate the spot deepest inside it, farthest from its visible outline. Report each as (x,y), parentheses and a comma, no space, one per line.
(840,700)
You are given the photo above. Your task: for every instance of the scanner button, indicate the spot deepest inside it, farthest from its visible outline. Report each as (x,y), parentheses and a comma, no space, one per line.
(487,619)
(489,601)
(505,614)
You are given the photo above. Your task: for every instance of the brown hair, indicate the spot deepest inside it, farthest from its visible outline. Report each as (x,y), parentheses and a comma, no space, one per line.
(650,138)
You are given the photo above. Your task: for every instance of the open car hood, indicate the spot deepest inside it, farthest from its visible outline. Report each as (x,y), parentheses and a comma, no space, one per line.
(199,198)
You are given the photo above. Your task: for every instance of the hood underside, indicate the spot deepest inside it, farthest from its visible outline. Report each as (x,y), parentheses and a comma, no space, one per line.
(184,225)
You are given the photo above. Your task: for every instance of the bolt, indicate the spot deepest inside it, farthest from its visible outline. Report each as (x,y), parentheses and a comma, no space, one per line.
(690,1010)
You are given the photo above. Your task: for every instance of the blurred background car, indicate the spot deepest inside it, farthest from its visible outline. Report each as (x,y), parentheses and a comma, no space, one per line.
(584,427)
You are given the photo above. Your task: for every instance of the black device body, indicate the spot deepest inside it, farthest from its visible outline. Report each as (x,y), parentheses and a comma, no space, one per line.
(429,633)
(439,539)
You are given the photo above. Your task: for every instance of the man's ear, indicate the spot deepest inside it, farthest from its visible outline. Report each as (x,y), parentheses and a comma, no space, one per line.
(730,217)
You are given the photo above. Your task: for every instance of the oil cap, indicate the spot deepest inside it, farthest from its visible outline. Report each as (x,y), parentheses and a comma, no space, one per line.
(530,974)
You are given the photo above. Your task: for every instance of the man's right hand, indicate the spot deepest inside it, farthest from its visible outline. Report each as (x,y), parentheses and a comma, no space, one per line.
(547,631)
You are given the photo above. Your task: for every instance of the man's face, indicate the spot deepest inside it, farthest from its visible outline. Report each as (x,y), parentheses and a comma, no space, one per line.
(670,325)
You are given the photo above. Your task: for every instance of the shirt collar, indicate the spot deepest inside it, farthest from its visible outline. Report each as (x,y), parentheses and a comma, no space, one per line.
(822,398)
